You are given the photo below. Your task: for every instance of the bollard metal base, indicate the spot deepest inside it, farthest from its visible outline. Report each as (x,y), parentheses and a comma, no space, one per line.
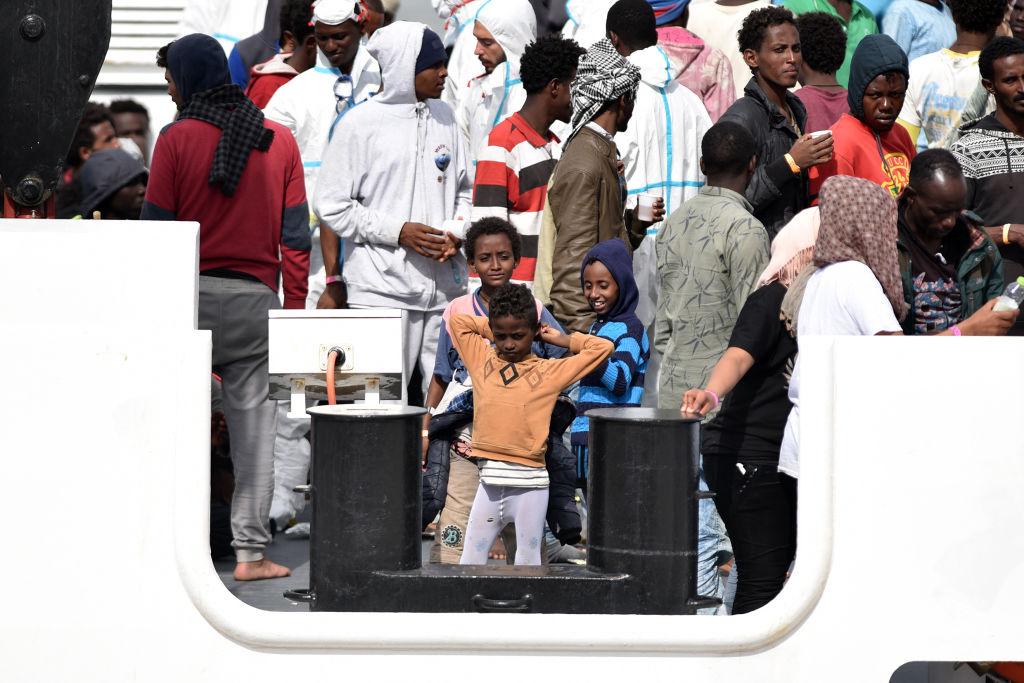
(365,550)
(547,589)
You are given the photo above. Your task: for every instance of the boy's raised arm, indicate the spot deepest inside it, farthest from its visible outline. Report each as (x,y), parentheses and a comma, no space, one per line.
(590,352)
(470,336)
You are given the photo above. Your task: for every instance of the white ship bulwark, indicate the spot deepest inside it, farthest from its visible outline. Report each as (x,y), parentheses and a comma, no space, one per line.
(909,513)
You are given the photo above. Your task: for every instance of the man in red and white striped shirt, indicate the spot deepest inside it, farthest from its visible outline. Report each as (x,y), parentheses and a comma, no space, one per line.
(513,170)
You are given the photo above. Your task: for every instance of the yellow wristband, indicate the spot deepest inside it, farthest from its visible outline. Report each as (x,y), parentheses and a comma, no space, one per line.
(1006,233)
(792,163)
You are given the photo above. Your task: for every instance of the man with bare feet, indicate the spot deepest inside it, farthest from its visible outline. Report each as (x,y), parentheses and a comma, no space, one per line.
(222,165)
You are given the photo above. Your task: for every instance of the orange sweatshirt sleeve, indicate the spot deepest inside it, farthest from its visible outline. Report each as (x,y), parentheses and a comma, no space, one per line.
(590,352)
(470,336)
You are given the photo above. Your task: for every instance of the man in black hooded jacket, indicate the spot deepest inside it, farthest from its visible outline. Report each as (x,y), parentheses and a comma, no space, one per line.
(776,118)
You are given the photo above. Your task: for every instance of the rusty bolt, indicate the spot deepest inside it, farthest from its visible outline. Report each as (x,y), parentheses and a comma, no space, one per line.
(32,27)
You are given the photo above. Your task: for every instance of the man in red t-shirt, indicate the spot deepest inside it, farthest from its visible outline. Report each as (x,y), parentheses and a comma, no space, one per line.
(240,177)
(868,143)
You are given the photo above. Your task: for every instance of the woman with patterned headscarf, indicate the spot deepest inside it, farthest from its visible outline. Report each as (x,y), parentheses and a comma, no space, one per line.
(854,286)
(741,444)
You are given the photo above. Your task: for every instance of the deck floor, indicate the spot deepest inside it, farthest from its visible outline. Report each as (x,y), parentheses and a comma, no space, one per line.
(269,594)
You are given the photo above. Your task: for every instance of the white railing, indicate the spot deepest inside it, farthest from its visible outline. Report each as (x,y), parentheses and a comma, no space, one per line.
(138,29)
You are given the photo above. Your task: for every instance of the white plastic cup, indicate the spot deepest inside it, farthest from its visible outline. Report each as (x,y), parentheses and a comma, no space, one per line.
(820,133)
(456,226)
(645,206)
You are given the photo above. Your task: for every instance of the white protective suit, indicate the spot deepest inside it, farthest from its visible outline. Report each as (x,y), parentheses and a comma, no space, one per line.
(393,160)
(490,98)
(661,152)
(229,21)
(586,24)
(308,107)
(463,65)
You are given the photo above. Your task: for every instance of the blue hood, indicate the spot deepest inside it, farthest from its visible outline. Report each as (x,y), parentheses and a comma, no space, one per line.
(617,259)
(197,63)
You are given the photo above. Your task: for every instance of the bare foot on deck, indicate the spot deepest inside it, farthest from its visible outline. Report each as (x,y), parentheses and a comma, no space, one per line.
(263,569)
(497,550)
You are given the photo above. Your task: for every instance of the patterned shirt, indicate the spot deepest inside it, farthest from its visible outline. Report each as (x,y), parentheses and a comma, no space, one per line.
(512,176)
(710,253)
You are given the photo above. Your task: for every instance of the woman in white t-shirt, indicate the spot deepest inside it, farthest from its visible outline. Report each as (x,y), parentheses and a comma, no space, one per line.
(854,286)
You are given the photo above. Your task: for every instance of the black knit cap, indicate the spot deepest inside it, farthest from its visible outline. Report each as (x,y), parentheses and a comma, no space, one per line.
(431,51)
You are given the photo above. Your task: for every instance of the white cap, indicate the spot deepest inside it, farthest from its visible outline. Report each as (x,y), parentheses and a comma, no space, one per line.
(335,12)
(391,6)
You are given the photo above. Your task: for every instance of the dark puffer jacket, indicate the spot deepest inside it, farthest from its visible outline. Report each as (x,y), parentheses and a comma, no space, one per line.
(776,193)
(563,517)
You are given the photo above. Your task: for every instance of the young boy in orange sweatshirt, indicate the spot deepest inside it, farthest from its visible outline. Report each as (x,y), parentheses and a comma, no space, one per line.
(514,393)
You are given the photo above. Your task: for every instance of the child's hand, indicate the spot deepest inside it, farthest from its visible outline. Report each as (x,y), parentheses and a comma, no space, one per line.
(698,401)
(550,335)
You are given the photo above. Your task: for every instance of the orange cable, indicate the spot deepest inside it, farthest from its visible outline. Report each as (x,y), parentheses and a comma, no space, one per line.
(332,358)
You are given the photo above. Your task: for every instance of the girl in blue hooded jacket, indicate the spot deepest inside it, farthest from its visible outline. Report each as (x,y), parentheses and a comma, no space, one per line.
(606,276)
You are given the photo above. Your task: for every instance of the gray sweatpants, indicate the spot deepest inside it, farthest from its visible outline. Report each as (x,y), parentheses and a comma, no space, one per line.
(236,312)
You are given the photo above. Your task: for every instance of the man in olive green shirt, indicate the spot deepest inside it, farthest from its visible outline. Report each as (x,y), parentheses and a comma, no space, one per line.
(710,253)
(857,21)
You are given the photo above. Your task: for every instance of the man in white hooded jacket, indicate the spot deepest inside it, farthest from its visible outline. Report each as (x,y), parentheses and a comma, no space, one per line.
(460,17)
(502,31)
(309,104)
(661,147)
(586,23)
(344,75)
(394,186)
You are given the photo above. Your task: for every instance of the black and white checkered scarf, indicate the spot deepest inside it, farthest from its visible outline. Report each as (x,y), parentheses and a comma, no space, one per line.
(241,123)
(602,75)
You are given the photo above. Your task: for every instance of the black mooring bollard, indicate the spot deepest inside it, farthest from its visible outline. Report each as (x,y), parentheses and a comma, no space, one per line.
(365,533)
(643,496)
(366,497)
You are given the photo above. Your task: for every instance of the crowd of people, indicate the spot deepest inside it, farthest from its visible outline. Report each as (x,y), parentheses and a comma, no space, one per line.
(650,208)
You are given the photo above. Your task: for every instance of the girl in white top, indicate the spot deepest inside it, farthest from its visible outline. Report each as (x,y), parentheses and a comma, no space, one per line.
(854,286)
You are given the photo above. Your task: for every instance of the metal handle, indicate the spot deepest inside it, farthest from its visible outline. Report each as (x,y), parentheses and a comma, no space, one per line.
(483,604)
(300,594)
(303,488)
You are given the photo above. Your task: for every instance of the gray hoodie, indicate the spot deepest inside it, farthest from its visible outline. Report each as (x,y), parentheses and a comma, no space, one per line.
(394,160)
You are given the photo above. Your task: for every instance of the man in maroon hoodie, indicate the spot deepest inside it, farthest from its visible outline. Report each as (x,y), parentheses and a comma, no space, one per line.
(298,53)
(222,165)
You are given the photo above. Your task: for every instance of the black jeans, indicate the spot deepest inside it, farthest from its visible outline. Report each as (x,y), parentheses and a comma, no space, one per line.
(758,507)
